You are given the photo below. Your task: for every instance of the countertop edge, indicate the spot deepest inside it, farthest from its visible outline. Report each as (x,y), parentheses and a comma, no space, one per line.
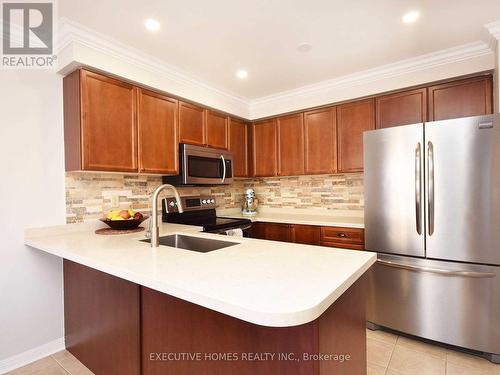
(263,318)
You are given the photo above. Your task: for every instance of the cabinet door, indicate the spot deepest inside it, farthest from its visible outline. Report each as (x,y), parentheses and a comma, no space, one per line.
(352,120)
(191,124)
(238,145)
(216,130)
(291,145)
(402,108)
(157,123)
(277,232)
(463,98)
(306,234)
(320,137)
(264,148)
(109,134)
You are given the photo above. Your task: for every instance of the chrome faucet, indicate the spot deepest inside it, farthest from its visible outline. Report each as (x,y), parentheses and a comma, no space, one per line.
(154,229)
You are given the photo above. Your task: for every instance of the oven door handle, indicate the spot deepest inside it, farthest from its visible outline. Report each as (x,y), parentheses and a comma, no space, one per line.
(223,169)
(244,228)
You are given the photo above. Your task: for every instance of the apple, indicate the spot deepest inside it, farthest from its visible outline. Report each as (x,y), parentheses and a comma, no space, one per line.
(124,214)
(138,216)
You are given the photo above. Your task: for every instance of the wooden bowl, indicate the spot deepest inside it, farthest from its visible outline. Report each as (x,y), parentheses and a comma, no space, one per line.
(124,224)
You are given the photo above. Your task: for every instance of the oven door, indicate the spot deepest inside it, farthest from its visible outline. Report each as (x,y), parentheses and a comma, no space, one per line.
(206,166)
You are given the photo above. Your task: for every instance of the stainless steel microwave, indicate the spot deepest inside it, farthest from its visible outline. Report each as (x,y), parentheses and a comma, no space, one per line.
(202,166)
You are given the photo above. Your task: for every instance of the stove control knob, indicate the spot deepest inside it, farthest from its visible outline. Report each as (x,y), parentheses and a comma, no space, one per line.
(204,201)
(212,201)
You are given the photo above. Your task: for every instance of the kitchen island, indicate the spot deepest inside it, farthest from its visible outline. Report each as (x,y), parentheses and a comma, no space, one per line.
(258,307)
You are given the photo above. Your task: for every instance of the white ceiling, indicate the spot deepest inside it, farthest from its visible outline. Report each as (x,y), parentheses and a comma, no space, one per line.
(212,39)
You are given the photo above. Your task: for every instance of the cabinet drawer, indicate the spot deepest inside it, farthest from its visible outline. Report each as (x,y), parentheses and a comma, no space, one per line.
(343,235)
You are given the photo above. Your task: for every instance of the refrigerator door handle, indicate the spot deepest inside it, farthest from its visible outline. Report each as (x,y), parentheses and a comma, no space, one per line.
(430,192)
(418,188)
(440,271)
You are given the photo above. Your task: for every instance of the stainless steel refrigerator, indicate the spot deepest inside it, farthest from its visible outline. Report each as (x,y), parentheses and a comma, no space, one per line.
(432,213)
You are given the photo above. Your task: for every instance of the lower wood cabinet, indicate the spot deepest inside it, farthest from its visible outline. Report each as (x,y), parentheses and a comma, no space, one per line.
(102,320)
(348,238)
(341,237)
(271,231)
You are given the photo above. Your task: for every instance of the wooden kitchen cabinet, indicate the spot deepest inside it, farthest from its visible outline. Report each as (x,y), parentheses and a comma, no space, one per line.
(347,238)
(238,145)
(305,234)
(191,124)
(264,148)
(216,130)
(401,108)
(99,123)
(467,97)
(352,120)
(102,320)
(271,231)
(291,145)
(320,138)
(157,127)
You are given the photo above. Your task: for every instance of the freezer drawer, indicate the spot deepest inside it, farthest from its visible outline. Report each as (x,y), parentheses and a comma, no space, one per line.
(448,302)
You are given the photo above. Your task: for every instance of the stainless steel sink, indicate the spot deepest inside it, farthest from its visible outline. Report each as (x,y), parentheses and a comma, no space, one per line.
(201,245)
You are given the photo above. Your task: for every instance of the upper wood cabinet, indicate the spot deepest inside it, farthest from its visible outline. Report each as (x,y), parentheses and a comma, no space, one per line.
(352,120)
(191,124)
(291,145)
(99,123)
(238,145)
(216,130)
(467,97)
(264,150)
(401,108)
(157,125)
(320,138)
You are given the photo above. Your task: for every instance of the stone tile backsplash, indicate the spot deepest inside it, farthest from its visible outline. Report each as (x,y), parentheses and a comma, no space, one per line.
(90,195)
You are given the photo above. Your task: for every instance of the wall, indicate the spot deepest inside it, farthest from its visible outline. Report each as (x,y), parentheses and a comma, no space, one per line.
(32,194)
(89,195)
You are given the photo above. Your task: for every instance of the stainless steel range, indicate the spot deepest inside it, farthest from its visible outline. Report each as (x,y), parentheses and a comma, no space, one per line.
(200,211)
(432,213)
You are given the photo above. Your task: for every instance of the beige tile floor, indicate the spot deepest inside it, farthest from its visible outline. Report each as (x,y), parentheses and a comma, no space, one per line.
(388,354)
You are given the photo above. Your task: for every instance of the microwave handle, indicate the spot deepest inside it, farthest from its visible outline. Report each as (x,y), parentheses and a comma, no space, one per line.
(223,169)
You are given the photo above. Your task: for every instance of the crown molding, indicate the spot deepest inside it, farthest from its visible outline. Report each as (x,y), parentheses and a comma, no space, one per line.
(74,35)
(494,29)
(423,62)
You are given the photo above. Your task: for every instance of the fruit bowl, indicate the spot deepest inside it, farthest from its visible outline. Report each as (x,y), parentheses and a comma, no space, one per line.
(122,220)
(124,224)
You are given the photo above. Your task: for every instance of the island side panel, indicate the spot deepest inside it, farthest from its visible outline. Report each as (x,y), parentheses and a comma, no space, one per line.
(342,330)
(171,325)
(102,320)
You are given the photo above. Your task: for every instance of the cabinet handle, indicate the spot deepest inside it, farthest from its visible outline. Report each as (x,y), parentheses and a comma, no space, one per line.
(343,235)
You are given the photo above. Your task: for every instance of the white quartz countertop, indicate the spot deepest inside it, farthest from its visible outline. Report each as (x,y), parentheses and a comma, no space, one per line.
(299,216)
(263,282)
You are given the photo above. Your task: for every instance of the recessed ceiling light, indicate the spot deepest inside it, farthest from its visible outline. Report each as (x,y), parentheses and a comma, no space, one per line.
(304,47)
(152,25)
(411,16)
(242,74)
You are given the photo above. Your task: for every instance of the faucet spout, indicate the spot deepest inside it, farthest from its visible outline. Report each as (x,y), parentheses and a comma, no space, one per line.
(155,229)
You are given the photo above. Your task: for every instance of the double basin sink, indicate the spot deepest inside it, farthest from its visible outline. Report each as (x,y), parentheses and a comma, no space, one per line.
(201,245)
